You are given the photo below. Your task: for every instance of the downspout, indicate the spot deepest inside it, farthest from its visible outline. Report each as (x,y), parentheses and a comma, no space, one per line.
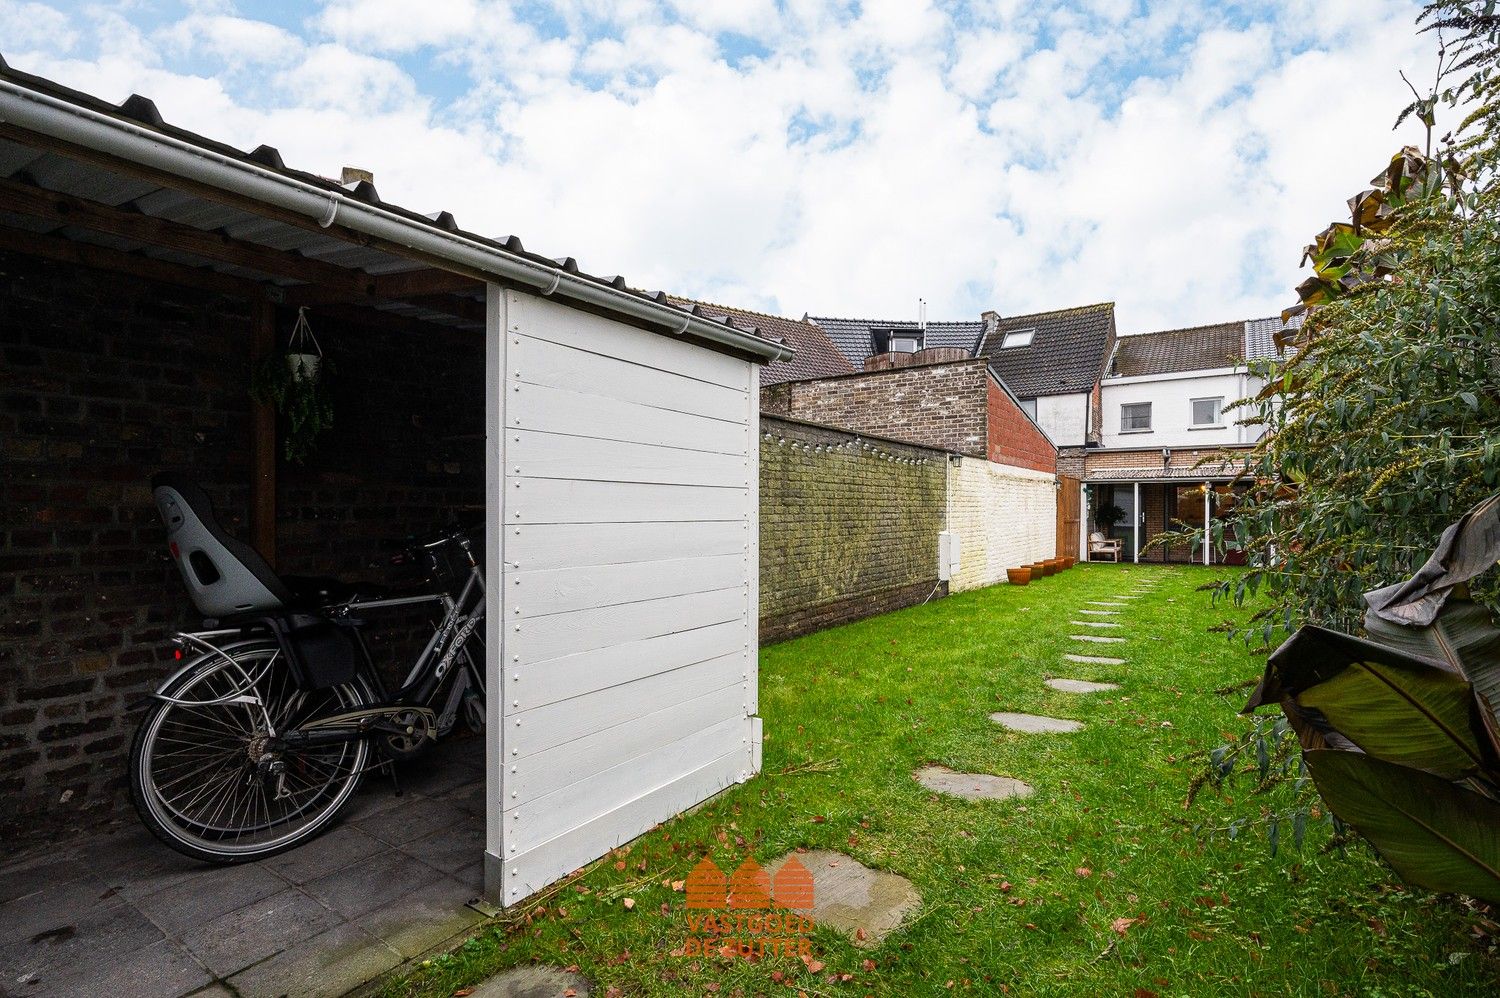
(59,119)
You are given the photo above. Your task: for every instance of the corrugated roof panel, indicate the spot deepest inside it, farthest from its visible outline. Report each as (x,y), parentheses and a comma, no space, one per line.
(15,157)
(84,180)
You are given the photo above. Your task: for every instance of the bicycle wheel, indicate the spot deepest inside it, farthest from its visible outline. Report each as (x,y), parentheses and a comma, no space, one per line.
(206,780)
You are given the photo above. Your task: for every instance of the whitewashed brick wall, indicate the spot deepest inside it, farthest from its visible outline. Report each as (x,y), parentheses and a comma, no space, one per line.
(1004,516)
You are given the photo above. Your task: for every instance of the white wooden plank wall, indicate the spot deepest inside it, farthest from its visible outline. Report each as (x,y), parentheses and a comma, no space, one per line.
(628,593)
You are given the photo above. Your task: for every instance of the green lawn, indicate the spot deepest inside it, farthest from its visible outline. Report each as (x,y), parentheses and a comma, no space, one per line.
(1019,894)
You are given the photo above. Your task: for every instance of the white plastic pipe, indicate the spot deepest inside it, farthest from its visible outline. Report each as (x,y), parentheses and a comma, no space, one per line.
(81,126)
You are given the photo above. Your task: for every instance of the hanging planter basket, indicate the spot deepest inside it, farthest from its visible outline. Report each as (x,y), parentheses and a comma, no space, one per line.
(295,384)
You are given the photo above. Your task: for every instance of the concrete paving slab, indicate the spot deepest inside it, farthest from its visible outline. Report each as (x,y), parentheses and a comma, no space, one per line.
(214,892)
(327,965)
(234,941)
(1101,613)
(533,982)
(163,969)
(1095,659)
(469,797)
(864,904)
(971,786)
(137,863)
(33,964)
(417,817)
(1094,623)
(1097,639)
(450,849)
(41,873)
(52,907)
(1080,686)
(332,851)
(1034,724)
(372,883)
(414,924)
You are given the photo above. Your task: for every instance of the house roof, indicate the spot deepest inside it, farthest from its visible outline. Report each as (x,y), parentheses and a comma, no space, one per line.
(1066,353)
(84,168)
(1192,349)
(1260,335)
(1198,348)
(853,337)
(816,355)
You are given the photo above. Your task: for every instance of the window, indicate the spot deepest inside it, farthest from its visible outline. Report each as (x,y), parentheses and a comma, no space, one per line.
(1017,338)
(895,340)
(903,344)
(1208,412)
(1028,406)
(1135,417)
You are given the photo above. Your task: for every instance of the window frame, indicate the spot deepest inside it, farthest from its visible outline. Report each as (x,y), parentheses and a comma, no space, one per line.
(891,343)
(1136,405)
(1218,422)
(1005,340)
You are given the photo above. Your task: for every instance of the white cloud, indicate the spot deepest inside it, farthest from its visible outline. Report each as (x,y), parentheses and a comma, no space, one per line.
(1013,156)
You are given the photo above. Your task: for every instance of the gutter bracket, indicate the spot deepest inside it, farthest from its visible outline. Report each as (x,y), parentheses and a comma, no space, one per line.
(556,280)
(332,213)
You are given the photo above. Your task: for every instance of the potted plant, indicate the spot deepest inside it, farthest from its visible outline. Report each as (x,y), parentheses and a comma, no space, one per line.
(295,383)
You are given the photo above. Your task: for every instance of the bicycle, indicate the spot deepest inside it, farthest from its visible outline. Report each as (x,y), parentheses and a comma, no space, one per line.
(257,742)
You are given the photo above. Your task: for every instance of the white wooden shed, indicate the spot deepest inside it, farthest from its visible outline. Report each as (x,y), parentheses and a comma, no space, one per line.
(626,528)
(621,429)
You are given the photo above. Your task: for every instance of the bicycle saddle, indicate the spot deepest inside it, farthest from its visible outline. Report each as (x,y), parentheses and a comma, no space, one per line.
(225,576)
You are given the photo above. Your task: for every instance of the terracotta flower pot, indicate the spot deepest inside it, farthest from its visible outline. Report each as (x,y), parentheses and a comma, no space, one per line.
(1018,576)
(1069,561)
(1058,564)
(1040,568)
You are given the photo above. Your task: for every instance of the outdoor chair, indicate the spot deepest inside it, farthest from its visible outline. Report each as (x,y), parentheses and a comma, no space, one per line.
(1103,546)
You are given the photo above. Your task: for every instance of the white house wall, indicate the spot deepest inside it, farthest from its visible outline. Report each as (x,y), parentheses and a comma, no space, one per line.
(626,685)
(1004,516)
(1172,410)
(1064,418)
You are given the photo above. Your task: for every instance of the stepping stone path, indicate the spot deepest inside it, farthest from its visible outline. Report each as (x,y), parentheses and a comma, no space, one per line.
(1095,659)
(970,786)
(1102,613)
(1081,686)
(533,982)
(864,904)
(1094,623)
(1034,723)
(1097,639)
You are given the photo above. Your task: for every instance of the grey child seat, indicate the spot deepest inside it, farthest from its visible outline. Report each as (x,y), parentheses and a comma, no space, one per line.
(226,577)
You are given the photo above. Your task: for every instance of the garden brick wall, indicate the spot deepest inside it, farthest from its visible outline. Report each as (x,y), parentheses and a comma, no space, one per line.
(1004,516)
(107,379)
(940,405)
(848,526)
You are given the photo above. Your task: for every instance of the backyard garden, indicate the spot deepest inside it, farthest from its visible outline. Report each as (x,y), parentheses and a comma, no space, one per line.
(1101,881)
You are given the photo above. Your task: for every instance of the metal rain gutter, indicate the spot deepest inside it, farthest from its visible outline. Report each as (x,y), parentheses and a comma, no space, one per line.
(94,130)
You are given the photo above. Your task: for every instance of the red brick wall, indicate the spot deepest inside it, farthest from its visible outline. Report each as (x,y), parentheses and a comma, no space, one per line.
(1013,438)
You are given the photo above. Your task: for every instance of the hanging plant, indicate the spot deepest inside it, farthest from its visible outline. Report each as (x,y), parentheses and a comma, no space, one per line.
(295,383)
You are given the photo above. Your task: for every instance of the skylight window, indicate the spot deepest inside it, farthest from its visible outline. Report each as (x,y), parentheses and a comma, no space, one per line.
(1017,338)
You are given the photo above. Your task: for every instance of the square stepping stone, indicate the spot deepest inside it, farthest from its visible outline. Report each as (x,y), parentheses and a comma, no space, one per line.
(539,981)
(1095,659)
(1081,686)
(1033,724)
(1094,623)
(866,905)
(971,786)
(1097,639)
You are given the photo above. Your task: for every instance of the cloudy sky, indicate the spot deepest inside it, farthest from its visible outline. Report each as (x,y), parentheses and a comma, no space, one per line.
(837,158)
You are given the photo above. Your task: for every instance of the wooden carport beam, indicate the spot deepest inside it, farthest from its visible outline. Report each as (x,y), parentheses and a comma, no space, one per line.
(262,438)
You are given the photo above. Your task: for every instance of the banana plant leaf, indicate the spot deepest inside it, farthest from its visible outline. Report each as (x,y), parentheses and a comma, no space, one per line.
(1434,833)
(1466,548)
(1406,708)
